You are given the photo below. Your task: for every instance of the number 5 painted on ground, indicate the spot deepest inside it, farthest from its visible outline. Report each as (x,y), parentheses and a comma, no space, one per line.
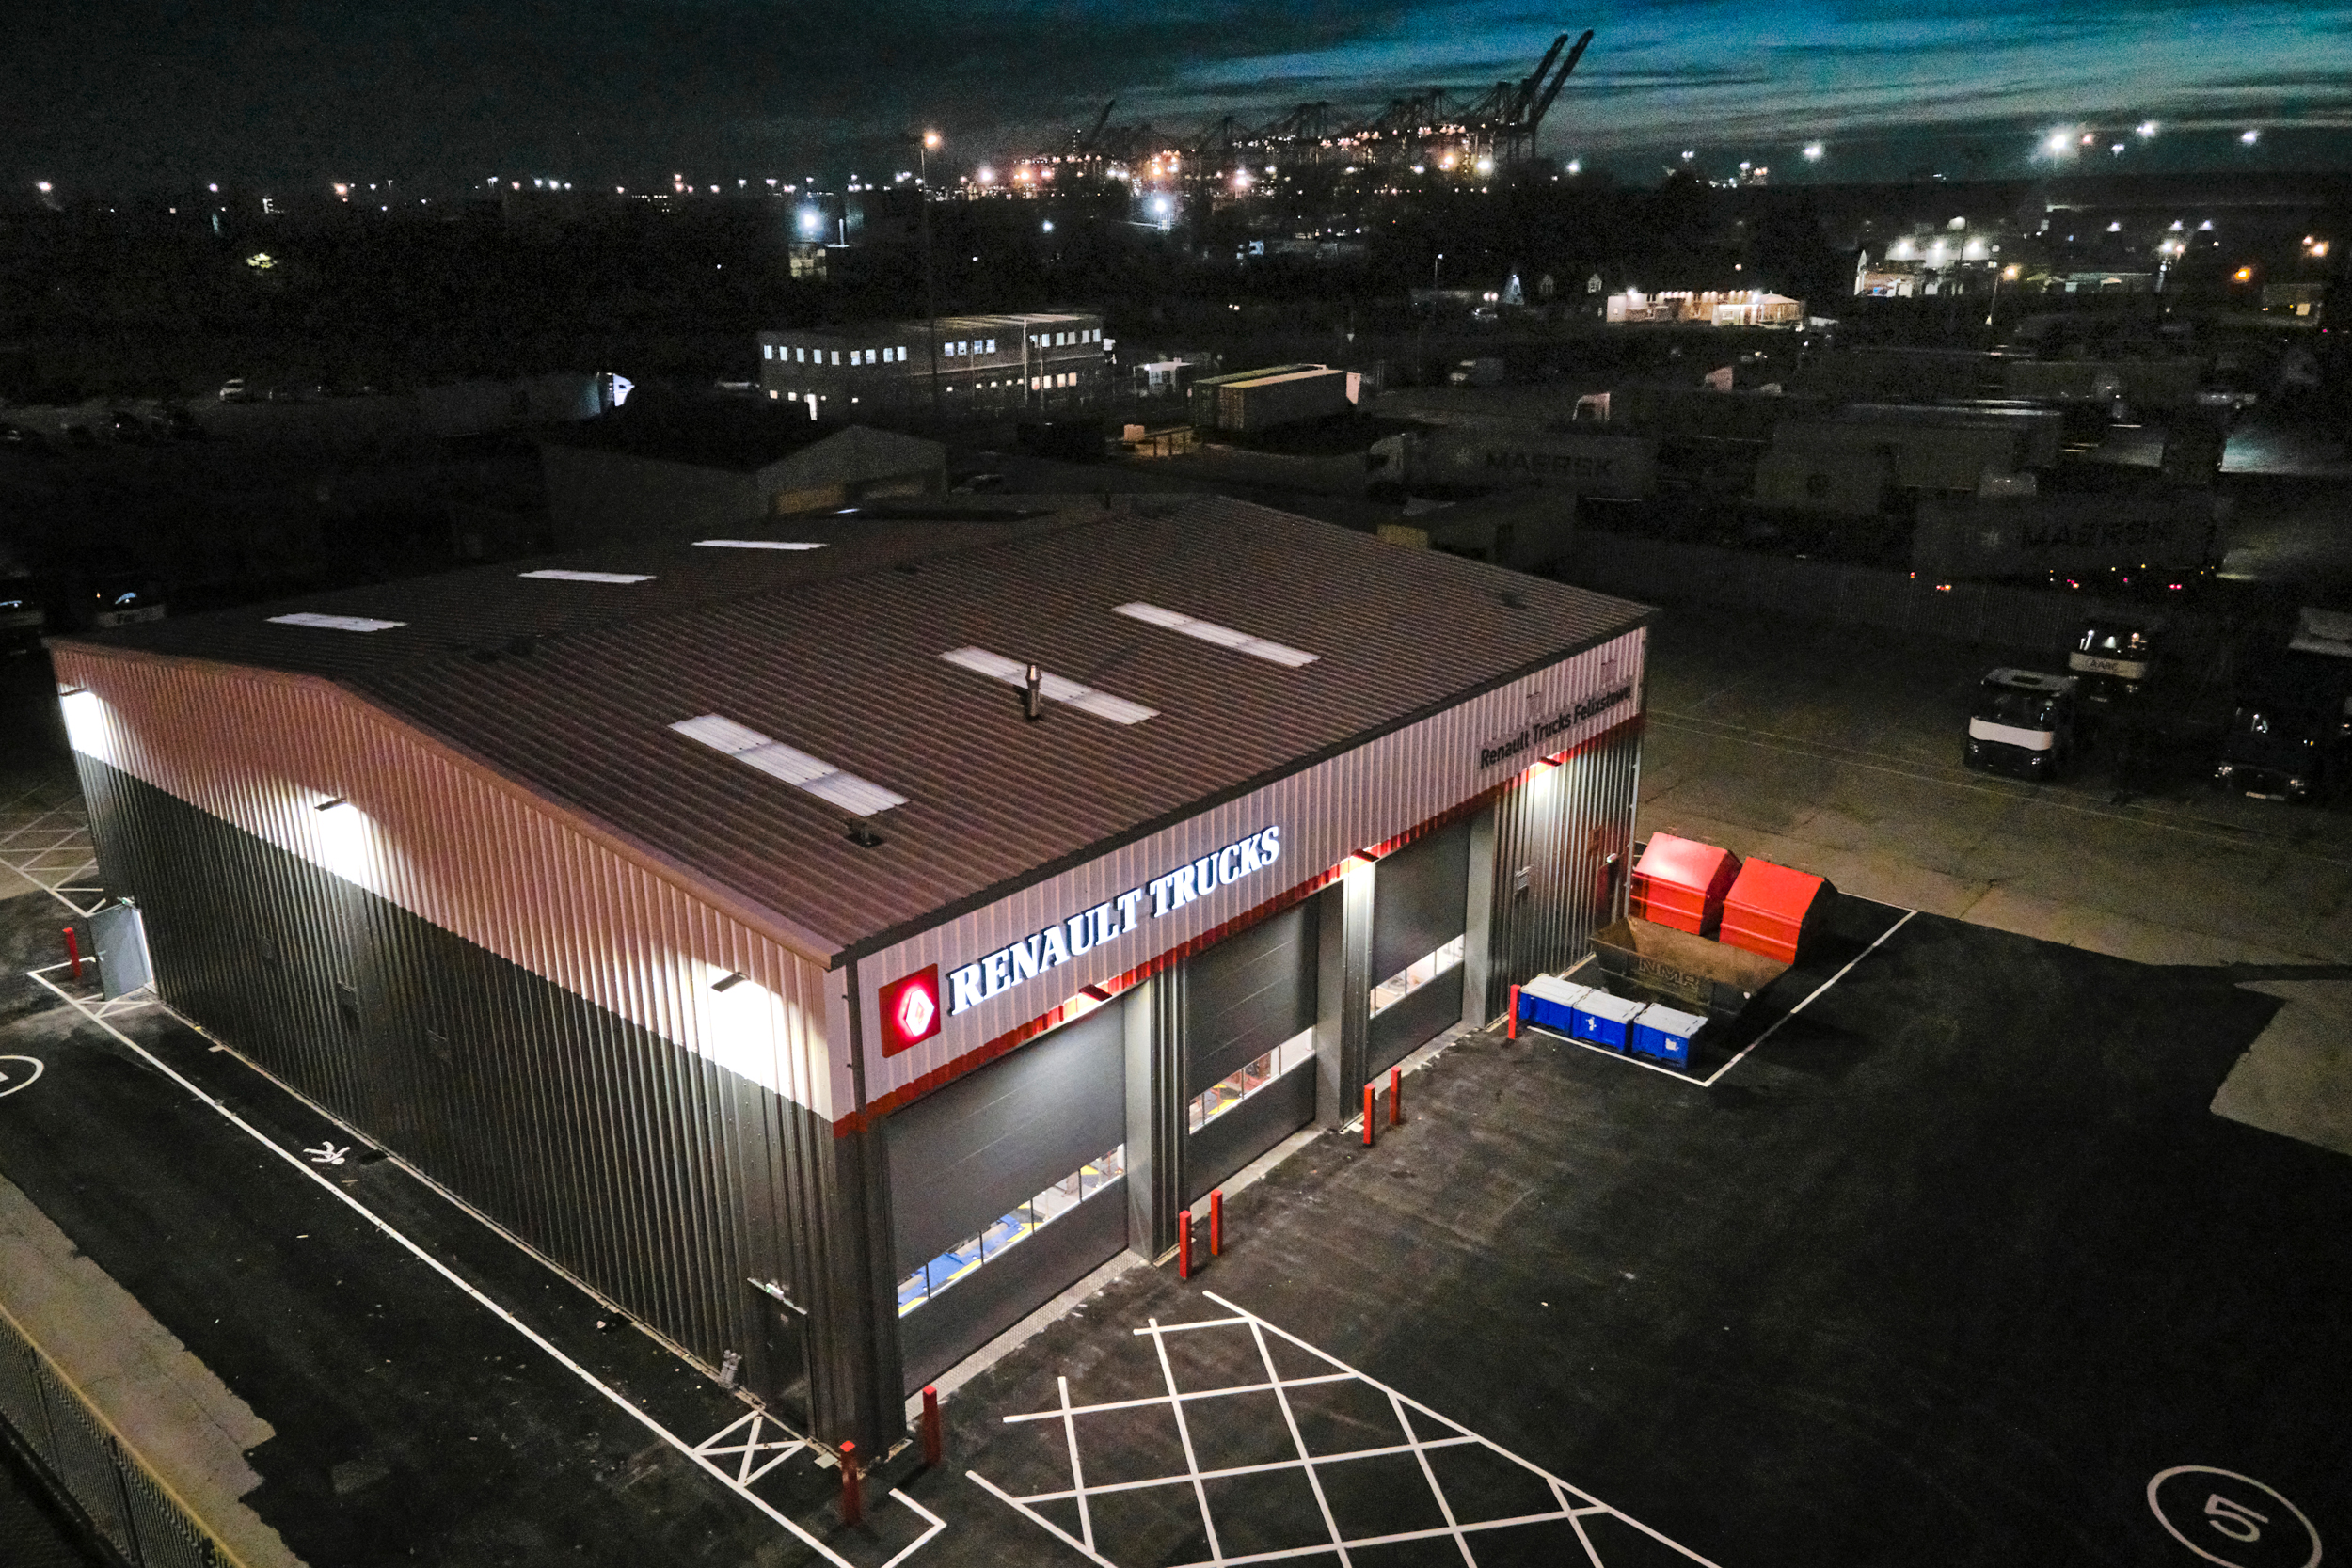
(2235,1520)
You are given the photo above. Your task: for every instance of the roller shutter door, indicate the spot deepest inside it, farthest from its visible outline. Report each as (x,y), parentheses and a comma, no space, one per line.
(1421,896)
(964,1157)
(1244,999)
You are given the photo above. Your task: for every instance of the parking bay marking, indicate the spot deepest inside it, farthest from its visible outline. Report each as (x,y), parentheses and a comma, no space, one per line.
(11,1082)
(2237,1514)
(701,1456)
(1773,1028)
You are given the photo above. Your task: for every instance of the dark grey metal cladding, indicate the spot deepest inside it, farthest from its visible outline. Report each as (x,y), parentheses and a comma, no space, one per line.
(990,1299)
(967,1154)
(1418,903)
(1554,882)
(660,1179)
(1250,1128)
(1248,995)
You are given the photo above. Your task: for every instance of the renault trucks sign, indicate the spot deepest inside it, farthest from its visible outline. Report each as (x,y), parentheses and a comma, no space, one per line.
(1087,929)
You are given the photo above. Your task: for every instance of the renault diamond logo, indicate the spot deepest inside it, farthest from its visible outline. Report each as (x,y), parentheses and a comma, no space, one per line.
(910,1010)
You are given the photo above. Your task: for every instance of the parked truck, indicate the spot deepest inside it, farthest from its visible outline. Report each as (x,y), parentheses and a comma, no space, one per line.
(2290,735)
(2022,723)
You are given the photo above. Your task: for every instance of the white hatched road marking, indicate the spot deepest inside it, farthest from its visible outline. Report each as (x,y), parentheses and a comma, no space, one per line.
(704,1455)
(1572,1504)
(46,840)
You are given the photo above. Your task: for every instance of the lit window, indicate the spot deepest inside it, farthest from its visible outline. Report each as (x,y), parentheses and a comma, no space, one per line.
(902,354)
(1217,1098)
(1025,1220)
(766,351)
(1406,981)
(992,345)
(800,355)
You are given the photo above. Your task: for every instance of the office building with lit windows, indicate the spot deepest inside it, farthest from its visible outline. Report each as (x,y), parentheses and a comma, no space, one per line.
(1040,364)
(832,941)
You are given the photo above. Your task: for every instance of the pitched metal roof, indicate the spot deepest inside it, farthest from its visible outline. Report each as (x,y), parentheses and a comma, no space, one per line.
(573,688)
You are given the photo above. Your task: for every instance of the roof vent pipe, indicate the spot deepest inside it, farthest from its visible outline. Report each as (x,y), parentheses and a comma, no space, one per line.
(1033,703)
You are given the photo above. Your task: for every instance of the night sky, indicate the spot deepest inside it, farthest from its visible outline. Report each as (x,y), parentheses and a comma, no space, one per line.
(298,91)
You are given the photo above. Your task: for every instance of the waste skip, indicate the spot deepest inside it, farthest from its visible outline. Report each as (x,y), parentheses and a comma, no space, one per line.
(1603,1019)
(1546,1001)
(1665,1033)
(1769,908)
(1680,882)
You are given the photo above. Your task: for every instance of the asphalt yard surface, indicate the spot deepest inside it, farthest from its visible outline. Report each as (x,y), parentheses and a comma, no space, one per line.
(1949,1268)
(413,1421)
(1837,751)
(1946,1271)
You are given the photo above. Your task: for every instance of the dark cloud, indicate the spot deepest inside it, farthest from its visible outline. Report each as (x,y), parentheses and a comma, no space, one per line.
(306,90)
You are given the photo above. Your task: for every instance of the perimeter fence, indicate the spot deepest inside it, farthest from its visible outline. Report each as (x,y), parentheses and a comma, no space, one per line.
(84,1459)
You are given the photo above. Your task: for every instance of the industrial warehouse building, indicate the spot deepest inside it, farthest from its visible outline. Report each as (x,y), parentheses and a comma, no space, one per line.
(1046,362)
(650,471)
(737,922)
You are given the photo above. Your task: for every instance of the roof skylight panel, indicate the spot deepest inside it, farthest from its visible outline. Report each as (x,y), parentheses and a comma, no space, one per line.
(1224,637)
(335,623)
(558,574)
(1054,689)
(814,775)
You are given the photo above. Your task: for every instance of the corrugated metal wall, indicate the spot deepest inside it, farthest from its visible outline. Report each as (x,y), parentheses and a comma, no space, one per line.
(1560,827)
(656,1175)
(575,1075)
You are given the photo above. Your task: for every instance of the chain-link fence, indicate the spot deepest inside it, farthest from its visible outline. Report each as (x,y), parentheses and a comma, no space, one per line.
(107,1482)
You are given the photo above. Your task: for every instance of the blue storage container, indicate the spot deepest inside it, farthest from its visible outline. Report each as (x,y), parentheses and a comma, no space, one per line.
(1603,1019)
(1661,1031)
(1547,1001)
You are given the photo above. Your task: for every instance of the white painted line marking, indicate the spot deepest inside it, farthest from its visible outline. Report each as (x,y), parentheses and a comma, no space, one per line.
(618,1400)
(1263,1467)
(11,1082)
(1456,1529)
(1298,1441)
(2235,1522)
(1708,1082)
(1039,1519)
(1184,1435)
(1077,1471)
(1162,1398)
(326,1153)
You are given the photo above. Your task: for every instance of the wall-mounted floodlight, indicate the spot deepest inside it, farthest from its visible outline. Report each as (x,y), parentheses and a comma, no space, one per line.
(727,984)
(330,805)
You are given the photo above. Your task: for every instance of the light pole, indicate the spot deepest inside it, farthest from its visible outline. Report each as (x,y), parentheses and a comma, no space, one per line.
(928,140)
(1998,273)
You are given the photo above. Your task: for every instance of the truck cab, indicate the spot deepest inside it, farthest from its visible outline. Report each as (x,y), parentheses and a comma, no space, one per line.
(2022,723)
(2290,736)
(2115,659)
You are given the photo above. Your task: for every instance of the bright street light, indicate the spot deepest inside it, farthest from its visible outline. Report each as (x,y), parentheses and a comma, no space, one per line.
(1814,152)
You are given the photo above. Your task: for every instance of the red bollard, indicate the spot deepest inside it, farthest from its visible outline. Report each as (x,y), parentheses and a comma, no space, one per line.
(1397,1097)
(1511,1021)
(1368,1094)
(934,1440)
(1217,1222)
(852,1496)
(1184,1245)
(73,951)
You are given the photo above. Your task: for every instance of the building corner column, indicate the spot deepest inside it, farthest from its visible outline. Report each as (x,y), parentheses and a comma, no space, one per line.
(1342,994)
(1155,1042)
